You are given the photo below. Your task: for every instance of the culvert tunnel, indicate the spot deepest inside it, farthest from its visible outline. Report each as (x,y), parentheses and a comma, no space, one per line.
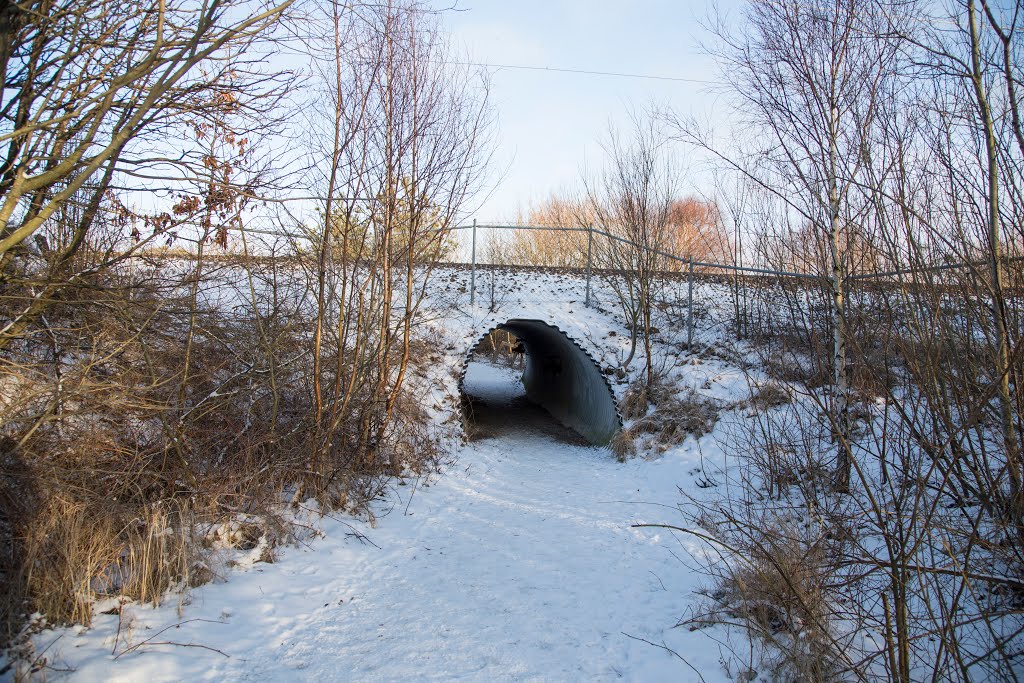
(563,379)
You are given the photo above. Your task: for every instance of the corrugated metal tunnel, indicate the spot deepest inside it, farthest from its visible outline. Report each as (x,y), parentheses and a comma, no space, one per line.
(565,380)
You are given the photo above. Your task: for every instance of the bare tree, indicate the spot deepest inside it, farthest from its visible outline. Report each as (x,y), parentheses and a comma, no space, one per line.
(907,113)
(546,247)
(632,200)
(97,88)
(130,389)
(971,54)
(809,79)
(405,146)
(696,229)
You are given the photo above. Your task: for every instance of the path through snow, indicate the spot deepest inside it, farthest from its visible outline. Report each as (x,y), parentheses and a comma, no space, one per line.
(519,563)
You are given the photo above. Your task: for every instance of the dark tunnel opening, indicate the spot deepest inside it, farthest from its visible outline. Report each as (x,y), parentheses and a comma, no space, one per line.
(531,370)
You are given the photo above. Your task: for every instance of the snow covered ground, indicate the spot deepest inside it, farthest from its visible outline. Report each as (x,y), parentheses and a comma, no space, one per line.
(519,562)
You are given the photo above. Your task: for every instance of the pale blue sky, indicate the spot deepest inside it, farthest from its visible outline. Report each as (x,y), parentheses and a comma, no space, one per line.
(550,123)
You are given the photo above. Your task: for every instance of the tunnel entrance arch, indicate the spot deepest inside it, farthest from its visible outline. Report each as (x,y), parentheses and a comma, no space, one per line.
(563,378)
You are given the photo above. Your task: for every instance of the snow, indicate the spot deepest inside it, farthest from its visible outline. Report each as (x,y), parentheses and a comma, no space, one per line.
(519,562)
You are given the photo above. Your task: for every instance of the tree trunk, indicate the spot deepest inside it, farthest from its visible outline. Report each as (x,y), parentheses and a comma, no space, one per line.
(840,374)
(1002,359)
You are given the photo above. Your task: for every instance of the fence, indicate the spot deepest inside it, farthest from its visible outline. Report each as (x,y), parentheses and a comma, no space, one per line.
(690,263)
(588,263)
(591,244)
(687,264)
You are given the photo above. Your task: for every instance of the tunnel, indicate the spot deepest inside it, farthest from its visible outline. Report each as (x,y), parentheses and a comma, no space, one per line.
(565,380)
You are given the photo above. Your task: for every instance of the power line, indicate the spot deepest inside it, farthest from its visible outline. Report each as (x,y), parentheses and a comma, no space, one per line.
(588,72)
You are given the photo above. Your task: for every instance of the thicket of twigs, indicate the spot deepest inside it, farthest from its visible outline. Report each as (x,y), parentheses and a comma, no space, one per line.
(915,570)
(167,372)
(159,400)
(873,527)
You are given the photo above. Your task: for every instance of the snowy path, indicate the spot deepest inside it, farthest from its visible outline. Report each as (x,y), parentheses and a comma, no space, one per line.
(517,564)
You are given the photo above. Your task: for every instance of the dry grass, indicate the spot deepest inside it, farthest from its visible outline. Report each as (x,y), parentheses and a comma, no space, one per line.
(664,416)
(623,445)
(471,427)
(793,368)
(641,397)
(777,586)
(769,395)
(115,467)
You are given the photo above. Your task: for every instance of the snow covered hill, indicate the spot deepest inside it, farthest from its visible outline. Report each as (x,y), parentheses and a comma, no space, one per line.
(519,561)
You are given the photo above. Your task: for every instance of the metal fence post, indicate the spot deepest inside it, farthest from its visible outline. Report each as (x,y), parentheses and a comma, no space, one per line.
(472,269)
(492,289)
(689,305)
(590,242)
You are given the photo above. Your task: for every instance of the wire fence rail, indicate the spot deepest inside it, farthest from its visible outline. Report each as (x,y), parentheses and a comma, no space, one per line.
(274,228)
(687,263)
(589,261)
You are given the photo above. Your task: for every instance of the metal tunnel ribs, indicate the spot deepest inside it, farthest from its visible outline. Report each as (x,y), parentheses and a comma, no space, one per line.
(565,380)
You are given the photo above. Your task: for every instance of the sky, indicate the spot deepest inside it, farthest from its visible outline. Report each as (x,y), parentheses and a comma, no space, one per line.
(551,124)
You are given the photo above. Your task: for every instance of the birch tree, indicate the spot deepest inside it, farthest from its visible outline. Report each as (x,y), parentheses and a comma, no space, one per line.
(395,157)
(807,79)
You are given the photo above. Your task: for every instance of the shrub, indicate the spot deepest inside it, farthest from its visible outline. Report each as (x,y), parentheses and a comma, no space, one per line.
(665,416)
(776,582)
(116,465)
